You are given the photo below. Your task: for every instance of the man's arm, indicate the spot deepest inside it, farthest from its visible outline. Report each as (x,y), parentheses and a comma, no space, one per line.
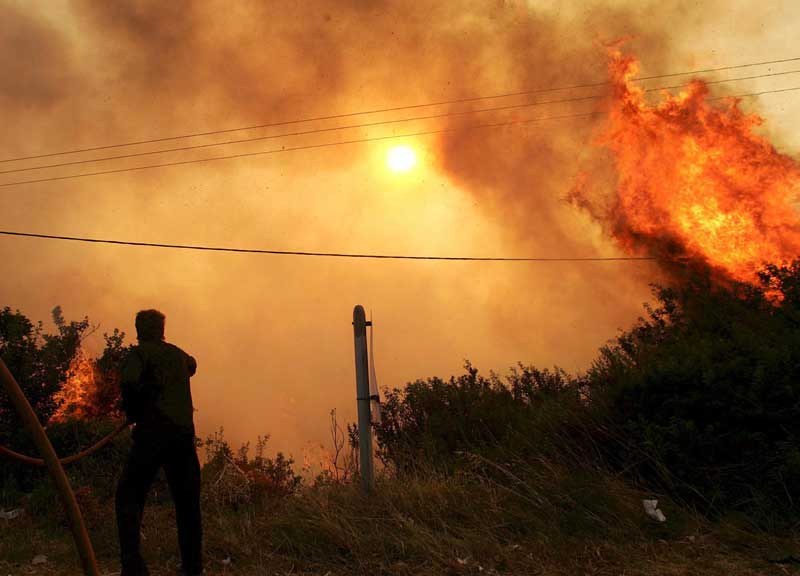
(191,363)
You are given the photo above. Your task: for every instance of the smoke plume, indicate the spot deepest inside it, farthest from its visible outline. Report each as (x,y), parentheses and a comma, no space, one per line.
(272,335)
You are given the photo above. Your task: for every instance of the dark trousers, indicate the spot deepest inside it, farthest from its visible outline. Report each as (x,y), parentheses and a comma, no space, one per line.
(153,448)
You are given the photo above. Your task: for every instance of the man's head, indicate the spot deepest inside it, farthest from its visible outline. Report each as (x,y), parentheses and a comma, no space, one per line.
(149,325)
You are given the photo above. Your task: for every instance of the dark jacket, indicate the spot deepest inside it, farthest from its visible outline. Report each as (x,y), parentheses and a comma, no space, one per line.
(155,386)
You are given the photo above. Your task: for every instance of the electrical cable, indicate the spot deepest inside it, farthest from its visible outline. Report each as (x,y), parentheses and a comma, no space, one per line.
(293,149)
(326,254)
(369,125)
(398,108)
(345,142)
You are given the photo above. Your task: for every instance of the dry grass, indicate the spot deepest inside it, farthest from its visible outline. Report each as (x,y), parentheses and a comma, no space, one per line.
(536,519)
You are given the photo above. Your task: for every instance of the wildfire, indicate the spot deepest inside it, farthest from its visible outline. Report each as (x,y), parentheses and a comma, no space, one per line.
(694,180)
(76,399)
(319,460)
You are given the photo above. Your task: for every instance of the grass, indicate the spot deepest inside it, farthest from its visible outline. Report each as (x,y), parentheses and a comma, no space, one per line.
(493,518)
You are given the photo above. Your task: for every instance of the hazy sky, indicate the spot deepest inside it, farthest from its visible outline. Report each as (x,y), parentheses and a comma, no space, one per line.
(272,334)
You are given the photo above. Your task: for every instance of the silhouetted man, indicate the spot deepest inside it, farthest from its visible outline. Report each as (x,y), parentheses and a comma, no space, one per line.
(156,397)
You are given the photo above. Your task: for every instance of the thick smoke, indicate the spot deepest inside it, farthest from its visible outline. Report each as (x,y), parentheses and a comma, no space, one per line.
(35,56)
(273,335)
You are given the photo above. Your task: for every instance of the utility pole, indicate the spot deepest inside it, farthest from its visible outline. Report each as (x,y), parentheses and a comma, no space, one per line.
(45,448)
(363,397)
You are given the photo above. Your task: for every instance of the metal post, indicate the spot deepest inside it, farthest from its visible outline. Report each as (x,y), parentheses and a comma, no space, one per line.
(42,443)
(362,395)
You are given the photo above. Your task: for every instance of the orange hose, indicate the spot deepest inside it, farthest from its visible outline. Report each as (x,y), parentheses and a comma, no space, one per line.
(67,459)
(39,436)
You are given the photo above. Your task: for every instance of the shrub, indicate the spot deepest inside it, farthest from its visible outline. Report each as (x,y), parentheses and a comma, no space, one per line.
(433,422)
(39,362)
(99,472)
(237,479)
(708,385)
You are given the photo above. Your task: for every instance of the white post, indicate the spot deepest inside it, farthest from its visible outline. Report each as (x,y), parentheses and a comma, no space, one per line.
(362,395)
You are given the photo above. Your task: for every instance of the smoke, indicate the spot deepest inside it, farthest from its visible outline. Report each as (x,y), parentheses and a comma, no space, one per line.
(35,57)
(272,335)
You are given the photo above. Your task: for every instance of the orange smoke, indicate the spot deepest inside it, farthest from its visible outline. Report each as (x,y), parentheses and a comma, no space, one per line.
(694,180)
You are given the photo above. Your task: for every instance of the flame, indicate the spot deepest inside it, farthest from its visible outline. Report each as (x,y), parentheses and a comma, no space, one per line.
(318,459)
(76,398)
(695,181)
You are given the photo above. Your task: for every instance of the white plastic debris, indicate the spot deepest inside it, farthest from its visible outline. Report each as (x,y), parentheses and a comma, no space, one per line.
(39,559)
(651,509)
(11,514)
(374,392)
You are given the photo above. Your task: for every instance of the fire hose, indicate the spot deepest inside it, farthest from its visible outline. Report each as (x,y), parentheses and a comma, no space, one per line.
(68,459)
(54,466)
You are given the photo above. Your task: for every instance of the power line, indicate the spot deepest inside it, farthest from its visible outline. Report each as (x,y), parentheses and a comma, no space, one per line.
(326,254)
(397,108)
(295,148)
(371,125)
(288,134)
(345,142)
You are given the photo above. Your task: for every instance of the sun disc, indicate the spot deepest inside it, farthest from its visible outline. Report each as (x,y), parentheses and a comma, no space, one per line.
(401,159)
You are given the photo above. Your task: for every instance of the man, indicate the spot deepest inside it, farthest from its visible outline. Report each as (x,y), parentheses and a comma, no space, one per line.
(157,399)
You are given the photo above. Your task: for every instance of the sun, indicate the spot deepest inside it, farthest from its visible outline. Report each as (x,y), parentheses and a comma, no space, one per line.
(401,158)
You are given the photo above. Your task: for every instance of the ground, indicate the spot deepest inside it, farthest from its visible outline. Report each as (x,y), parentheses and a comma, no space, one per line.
(321,534)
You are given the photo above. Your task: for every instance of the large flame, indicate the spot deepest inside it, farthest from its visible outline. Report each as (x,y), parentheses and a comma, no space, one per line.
(76,398)
(694,180)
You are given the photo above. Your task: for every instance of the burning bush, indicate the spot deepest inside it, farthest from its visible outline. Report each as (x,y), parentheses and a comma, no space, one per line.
(91,388)
(74,393)
(39,361)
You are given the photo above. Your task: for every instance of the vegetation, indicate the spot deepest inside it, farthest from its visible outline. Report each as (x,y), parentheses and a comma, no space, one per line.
(708,387)
(39,362)
(535,471)
(237,480)
(438,423)
(701,398)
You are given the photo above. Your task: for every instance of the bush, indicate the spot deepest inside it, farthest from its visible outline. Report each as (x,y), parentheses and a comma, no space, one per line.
(707,386)
(237,479)
(99,472)
(42,363)
(39,362)
(432,423)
